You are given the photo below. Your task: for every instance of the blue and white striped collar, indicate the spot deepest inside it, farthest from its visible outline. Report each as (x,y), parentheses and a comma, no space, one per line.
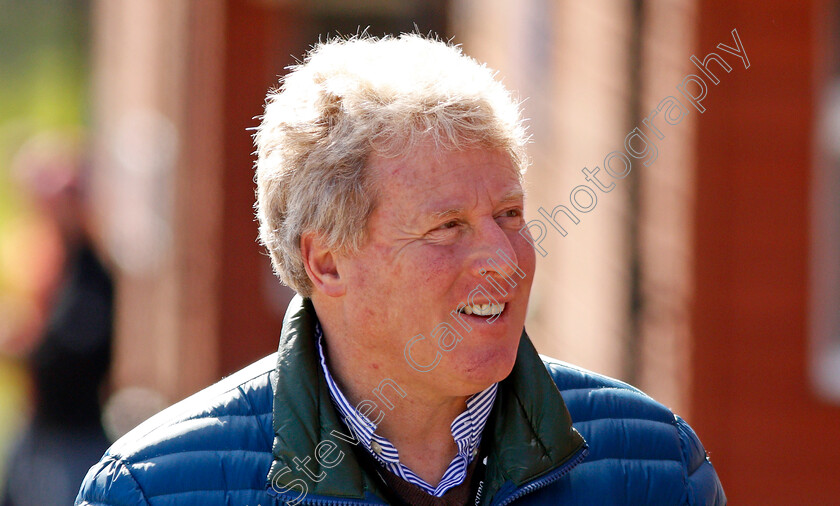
(466,430)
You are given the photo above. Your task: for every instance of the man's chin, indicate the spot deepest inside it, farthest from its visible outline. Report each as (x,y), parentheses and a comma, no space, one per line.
(482,368)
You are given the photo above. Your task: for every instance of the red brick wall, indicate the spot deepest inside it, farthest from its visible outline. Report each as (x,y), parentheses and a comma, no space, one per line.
(771,440)
(260,39)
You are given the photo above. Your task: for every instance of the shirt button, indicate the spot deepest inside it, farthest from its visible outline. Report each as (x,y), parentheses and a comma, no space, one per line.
(474,452)
(376,447)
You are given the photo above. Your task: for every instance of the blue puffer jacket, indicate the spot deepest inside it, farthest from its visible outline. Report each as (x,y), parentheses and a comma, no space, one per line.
(239,442)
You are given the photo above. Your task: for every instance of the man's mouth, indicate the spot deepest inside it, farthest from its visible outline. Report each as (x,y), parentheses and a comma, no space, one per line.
(483,309)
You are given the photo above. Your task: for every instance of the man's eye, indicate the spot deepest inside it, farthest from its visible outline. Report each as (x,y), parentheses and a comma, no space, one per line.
(512,213)
(448,224)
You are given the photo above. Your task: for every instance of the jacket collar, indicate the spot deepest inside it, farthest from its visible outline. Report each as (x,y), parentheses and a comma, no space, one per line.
(531,428)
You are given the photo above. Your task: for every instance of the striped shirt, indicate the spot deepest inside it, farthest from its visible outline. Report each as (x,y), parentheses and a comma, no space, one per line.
(466,431)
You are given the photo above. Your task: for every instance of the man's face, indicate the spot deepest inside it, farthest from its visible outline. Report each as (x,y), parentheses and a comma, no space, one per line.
(440,216)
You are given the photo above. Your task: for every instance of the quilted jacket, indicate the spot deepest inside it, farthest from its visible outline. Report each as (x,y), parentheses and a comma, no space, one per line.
(241,441)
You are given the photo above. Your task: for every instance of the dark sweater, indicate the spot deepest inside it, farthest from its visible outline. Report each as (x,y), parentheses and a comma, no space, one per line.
(404,493)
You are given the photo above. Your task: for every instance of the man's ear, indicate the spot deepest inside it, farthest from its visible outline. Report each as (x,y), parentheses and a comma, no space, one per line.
(321,266)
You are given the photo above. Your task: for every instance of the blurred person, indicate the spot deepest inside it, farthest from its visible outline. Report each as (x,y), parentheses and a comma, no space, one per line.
(67,352)
(389,196)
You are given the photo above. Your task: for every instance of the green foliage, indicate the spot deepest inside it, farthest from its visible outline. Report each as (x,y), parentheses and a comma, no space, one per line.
(44,54)
(44,79)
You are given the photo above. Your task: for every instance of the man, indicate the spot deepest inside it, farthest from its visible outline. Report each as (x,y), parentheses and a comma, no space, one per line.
(389,197)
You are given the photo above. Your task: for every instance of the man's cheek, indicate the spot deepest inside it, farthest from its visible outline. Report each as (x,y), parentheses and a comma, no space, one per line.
(525,256)
(370,270)
(430,267)
(435,272)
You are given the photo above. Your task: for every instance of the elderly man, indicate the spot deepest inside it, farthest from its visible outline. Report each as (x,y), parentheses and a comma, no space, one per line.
(390,198)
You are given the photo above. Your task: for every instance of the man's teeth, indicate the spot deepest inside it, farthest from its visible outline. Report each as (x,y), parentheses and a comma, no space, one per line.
(484,309)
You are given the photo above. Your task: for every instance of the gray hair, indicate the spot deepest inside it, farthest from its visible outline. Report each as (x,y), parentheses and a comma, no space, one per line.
(354,97)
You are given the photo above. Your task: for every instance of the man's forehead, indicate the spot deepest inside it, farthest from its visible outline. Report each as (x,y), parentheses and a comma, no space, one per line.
(511,192)
(460,200)
(429,168)
(458,203)
(432,183)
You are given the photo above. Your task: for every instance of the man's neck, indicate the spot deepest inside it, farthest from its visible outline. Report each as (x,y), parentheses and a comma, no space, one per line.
(423,436)
(419,425)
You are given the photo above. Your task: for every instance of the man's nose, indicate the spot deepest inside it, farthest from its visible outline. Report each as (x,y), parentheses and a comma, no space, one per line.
(492,254)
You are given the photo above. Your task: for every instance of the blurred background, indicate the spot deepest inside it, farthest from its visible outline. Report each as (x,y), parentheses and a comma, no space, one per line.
(710,279)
